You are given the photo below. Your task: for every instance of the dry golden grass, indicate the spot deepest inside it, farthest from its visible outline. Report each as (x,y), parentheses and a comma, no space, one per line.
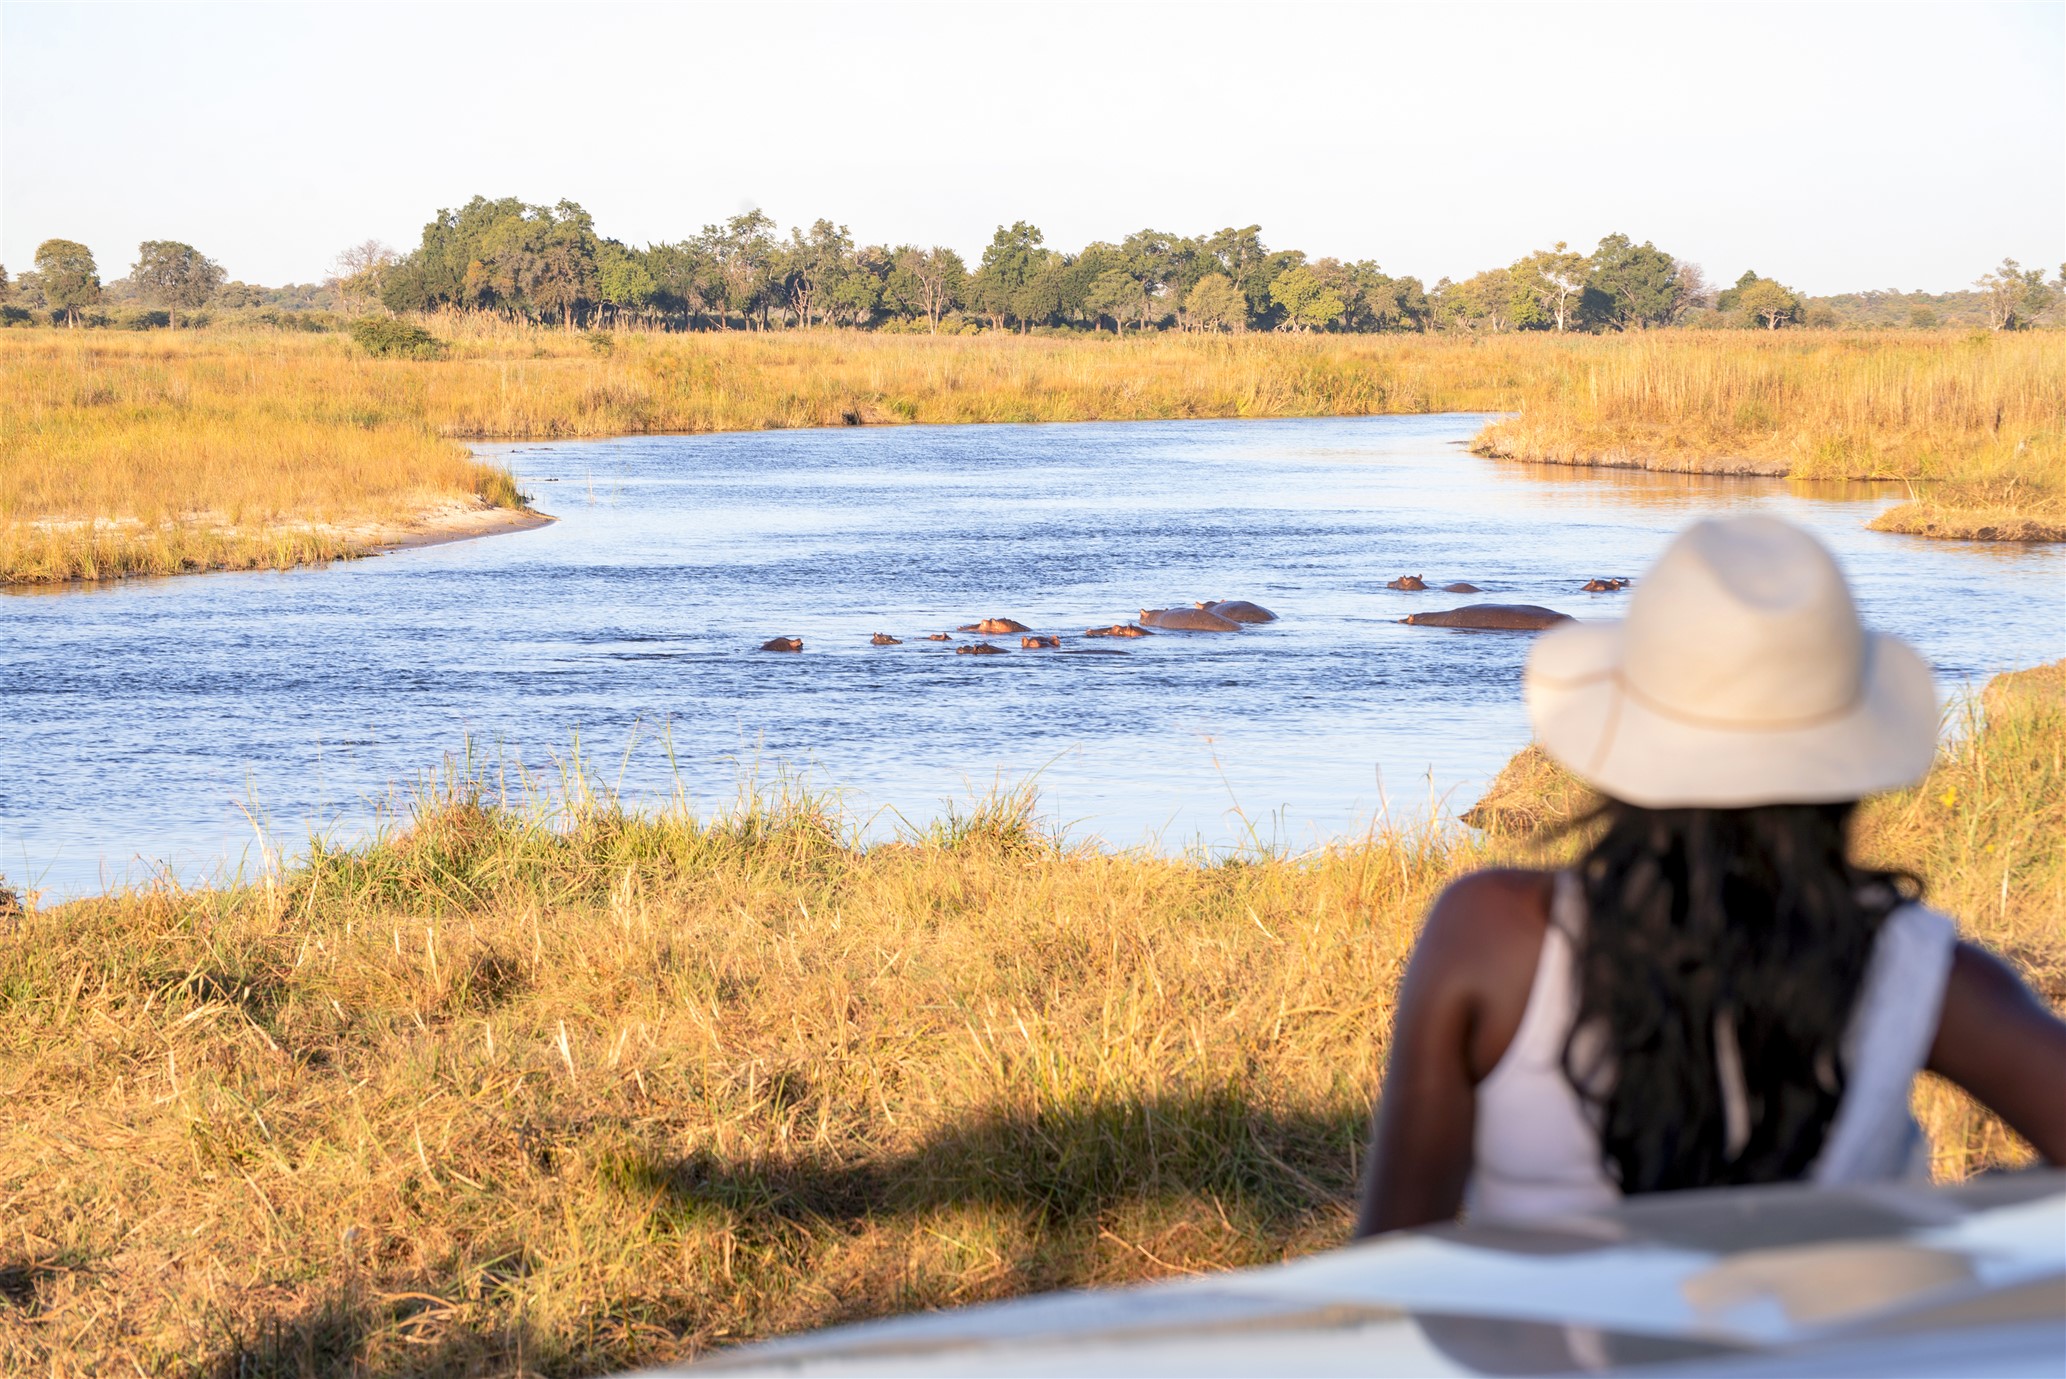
(124,453)
(566,1091)
(1975,423)
(1987,832)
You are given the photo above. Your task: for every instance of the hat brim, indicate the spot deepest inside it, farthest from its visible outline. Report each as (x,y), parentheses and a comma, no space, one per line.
(1586,718)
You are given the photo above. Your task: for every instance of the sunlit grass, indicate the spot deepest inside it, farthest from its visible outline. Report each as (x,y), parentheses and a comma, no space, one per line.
(1975,423)
(544,1081)
(124,453)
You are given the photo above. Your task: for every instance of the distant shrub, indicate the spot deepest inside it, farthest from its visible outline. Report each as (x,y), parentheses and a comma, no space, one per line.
(388,338)
(16,316)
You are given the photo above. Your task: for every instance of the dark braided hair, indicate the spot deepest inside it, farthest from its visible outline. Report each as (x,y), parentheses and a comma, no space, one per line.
(1703,919)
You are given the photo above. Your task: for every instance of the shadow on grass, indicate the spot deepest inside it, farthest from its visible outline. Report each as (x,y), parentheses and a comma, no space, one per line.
(365,1336)
(1065,1164)
(1063,1176)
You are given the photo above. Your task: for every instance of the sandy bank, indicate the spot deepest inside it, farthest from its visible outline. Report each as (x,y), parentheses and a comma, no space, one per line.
(457,520)
(51,554)
(1724,465)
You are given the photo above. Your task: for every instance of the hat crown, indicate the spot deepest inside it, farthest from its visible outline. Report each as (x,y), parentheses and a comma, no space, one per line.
(1745,622)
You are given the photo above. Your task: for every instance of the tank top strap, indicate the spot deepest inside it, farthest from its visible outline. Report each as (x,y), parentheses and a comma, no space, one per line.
(1567,904)
(1893,1025)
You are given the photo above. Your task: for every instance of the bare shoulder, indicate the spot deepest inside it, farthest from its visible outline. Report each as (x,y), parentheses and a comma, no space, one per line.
(1980,971)
(1477,954)
(1485,930)
(1499,907)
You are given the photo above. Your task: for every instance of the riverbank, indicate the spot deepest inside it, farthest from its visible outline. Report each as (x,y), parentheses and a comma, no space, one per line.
(566,1087)
(53,553)
(134,440)
(1974,425)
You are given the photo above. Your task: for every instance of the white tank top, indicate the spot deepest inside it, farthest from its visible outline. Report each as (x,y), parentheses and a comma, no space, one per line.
(1537,1154)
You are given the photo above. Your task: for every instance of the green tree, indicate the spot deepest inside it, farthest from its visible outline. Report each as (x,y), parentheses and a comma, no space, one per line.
(2014,295)
(863,284)
(1768,301)
(1635,286)
(624,281)
(1307,302)
(1552,282)
(744,250)
(556,264)
(1045,292)
(931,280)
(1013,257)
(1482,302)
(68,277)
(1115,293)
(1215,304)
(1242,257)
(174,276)
(812,265)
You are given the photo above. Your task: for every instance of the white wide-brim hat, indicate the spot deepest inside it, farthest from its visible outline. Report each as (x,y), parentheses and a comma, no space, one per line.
(1741,676)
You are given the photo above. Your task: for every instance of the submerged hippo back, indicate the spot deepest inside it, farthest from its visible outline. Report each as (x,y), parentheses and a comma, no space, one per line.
(1239,610)
(1187,620)
(1492,617)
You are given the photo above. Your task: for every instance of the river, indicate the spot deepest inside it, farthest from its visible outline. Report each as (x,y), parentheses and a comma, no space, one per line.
(150,725)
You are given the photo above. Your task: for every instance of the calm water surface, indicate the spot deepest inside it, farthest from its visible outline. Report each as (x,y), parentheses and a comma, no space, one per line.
(142,720)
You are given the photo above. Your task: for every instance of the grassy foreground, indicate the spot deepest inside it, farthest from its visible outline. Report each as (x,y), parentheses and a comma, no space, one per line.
(157,453)
(515,1090)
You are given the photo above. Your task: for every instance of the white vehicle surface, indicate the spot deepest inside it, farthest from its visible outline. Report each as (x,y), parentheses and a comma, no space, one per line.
(1795,1280)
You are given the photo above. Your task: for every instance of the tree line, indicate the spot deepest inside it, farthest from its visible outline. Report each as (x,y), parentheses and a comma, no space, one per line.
(549,265)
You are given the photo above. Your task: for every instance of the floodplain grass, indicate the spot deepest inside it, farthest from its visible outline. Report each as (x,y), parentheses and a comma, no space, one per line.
(547,1085)
(1974,423)
(155,453)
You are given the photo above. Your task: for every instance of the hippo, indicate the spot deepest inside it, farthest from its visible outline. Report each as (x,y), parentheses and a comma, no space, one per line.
(1492,617)
(1239,610)
(884,639)
(1035,643)
(938,637)
(1118,629)
(1461,588)
(1603,586)
(979,649)
(783,644)
(1187,620)
(1410,582)
(995,625)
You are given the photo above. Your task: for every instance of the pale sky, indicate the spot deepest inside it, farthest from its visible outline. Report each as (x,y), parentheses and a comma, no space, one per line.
(1835,147)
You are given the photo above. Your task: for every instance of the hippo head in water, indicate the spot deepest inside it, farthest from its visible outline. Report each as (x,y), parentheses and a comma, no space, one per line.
(1239,610)
(1187,620)
(938,637)
(1604,586)
(1492,617)
(1119,629)
(979,649)
(783,644)
(1035,643)
(1410,582)
(992,626)
(884,639)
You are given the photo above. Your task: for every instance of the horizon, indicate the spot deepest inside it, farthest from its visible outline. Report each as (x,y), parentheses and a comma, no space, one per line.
(1781,168)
